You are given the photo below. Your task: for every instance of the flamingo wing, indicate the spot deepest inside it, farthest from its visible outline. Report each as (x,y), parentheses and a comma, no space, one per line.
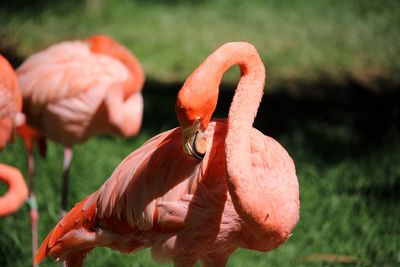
(148,195)
(158,172)
(127,201)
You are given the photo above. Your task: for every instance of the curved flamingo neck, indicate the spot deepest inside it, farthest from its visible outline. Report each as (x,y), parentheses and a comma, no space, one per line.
(249,193)
(17,190)
(105,45)
(245,102)
(204,82)
(198,99)
(241,184)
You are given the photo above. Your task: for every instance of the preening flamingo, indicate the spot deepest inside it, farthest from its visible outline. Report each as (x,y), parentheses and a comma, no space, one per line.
(74,90)
(196,192)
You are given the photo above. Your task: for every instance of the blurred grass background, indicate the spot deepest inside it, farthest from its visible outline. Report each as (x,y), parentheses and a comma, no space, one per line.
(332,100)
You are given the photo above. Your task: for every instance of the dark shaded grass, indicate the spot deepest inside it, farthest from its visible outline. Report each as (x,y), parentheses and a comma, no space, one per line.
(346,146)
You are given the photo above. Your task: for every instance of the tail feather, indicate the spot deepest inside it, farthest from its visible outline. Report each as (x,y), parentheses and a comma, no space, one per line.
(42,251)
(72,238)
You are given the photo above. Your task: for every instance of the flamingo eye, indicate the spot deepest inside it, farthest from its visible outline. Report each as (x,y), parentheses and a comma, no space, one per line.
(199,145)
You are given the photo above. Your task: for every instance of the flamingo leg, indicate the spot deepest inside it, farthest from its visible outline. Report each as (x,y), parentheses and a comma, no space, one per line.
(33,213)
(68,153)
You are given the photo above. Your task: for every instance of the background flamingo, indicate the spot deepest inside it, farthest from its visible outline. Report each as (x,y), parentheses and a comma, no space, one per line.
(229,186)
(74,90)
(10,117)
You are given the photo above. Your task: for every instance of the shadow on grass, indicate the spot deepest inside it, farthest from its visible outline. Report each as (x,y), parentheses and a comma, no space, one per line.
(335,122)
(384,192)
(26,6)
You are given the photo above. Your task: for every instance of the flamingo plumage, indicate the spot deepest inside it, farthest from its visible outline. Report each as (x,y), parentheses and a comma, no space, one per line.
(74,90)
(196,192)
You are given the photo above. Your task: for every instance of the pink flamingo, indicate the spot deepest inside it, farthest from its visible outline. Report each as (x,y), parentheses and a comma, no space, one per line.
(10,117)
(74,90)
(228,186)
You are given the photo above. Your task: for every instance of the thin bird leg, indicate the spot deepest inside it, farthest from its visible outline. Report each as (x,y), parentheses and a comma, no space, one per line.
(33,213)
(68,153)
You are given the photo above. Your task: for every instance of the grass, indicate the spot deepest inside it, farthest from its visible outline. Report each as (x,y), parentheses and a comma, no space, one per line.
(343,136)
(297,40)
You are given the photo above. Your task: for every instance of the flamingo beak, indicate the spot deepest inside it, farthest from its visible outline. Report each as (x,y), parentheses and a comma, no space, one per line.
(194,140)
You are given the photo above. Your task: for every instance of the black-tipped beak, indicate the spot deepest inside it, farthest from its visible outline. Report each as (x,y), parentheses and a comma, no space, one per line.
(194,141)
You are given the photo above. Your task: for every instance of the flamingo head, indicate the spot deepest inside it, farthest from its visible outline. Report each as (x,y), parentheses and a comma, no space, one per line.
(101,43)
(104,44)
(194,107)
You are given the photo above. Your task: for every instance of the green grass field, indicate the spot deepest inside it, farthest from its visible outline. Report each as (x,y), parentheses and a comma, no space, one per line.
(331,100)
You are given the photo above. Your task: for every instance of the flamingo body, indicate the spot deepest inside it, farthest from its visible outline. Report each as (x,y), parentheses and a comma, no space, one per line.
(65,88)
(186,205)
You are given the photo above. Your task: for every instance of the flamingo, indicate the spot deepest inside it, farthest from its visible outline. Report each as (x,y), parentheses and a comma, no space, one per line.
(196,192)
(10,118)
(77,89)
